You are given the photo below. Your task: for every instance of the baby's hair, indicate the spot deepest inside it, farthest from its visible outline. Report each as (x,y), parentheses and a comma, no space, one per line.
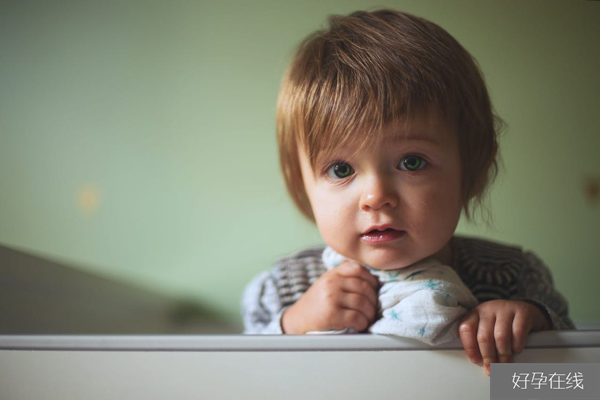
(370,69)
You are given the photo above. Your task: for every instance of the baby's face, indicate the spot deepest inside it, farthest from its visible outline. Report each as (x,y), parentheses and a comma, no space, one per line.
(394,204)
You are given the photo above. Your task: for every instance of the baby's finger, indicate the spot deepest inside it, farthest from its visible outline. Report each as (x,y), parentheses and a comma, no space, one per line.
(353,270)
(468,336)
(520,329)
(360,286)
(352,319)
(486,341)
(360,303)
(503,337)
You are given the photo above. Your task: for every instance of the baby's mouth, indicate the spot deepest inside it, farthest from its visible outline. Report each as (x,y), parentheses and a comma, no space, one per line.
(382,236)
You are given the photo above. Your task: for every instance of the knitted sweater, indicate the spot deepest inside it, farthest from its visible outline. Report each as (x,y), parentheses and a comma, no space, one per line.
(490,270)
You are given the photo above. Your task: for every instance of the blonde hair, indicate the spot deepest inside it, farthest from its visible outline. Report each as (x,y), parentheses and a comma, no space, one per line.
(369,69)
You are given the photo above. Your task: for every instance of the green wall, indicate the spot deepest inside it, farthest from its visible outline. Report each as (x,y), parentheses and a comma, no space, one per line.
(137,137)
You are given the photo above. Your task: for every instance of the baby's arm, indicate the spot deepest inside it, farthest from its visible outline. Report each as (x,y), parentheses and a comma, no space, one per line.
(261,306)
(497,329)
(343,297)
(536,287)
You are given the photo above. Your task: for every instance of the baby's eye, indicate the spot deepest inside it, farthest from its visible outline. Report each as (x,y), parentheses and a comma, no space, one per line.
(340,170)
(412,163)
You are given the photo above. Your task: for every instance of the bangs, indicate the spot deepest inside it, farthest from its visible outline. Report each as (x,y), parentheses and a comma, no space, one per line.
(348,83)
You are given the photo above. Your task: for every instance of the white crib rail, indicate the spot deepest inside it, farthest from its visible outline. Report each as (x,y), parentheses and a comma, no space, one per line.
(259,367)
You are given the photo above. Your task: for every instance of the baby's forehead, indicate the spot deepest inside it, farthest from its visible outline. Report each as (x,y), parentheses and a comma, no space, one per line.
(429,128)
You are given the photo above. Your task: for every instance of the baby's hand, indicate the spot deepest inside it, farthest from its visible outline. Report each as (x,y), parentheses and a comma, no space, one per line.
(495,330)
(343,297)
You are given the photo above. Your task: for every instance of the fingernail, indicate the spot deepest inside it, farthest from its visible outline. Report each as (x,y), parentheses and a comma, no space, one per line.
(475,359)
(487,370)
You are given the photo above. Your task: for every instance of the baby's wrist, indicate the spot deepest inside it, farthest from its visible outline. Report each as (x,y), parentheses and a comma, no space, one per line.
(288,325)
(542,321)
(545,323)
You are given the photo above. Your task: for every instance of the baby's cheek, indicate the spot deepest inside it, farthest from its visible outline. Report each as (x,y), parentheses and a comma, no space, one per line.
(332,231)
(336,235)
(330,216)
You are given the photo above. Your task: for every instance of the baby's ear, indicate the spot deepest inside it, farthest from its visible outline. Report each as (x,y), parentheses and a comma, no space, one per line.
(491,170)
(491,160)
(495,151)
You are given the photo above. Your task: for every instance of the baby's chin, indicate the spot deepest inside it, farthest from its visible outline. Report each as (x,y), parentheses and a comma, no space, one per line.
(384,264)
(388,267)
(386,261)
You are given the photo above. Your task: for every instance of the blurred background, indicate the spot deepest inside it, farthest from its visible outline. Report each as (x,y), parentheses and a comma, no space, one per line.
(139,181)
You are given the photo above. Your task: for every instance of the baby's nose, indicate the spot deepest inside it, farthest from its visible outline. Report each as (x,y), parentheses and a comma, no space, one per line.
(378,192)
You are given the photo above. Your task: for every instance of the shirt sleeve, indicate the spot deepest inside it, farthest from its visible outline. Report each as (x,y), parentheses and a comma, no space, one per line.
(261,306)
(536,287)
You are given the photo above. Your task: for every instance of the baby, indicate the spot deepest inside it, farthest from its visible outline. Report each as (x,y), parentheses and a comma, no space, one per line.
(386,134)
